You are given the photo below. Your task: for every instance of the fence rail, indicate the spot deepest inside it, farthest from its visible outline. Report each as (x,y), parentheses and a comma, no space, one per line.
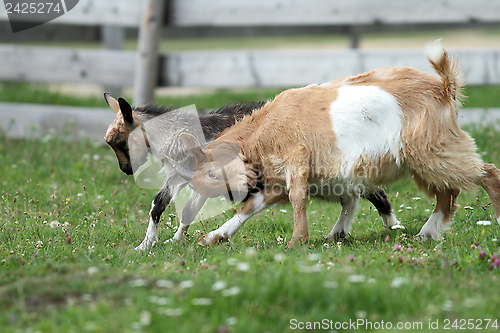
(328,12)
(223,69)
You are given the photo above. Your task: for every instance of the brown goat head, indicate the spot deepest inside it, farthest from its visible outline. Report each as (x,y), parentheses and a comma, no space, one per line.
(128,152)
(220,169)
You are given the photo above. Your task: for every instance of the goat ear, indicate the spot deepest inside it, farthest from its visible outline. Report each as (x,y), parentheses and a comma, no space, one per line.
(194,146)
(113,103)
(126,110)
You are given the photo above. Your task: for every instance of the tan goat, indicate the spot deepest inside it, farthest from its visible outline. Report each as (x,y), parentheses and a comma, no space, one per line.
(361,132)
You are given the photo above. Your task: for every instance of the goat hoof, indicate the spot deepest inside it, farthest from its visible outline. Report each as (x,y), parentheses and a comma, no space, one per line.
(422,238)
(203,241)
(294,242)
(145,246)
(337,237)
(397,226)
(216,239)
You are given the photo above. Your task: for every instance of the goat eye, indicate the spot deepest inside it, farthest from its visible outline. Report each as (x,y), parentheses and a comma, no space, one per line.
(212,175)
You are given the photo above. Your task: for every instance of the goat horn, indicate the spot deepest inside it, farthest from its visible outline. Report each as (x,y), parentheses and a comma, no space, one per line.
(182,171)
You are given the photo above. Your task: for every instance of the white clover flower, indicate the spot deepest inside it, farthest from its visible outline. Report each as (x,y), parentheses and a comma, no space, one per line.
(233,291)
(231,321)
(232,261)
(356,278)
(93,270)
(447,306)
(165,284)
(330,284)
(243,267)
(219,285)
(171,312)
(145,318)
(202,301)
(314,257)
(186,284)
(397,282)
(483,222)
(54,224)
(138,283)
(279,257)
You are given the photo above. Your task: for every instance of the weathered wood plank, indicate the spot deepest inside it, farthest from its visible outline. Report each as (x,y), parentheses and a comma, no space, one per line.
(32,120)
(331,12)
(227,69)
(124,13)
(295,68)
(37,64)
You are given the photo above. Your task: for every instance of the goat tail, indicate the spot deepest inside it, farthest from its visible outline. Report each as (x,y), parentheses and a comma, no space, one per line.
(449,69)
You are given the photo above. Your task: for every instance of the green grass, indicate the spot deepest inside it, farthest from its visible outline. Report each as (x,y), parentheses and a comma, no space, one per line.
(88,278)
(477,97)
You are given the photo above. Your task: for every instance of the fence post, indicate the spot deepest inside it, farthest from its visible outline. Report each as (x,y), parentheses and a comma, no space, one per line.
(113,38)
(146,72)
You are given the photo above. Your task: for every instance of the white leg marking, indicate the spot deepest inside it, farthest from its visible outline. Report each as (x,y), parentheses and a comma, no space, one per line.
(391,221)
(343,225)
(434,226)
(498,220)
(151,237)
(229,229)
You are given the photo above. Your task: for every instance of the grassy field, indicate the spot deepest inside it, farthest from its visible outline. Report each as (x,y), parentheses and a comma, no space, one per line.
(69,222)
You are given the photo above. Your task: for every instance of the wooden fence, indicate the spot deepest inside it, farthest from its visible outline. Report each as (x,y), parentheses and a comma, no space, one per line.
(113,67)
(251,68)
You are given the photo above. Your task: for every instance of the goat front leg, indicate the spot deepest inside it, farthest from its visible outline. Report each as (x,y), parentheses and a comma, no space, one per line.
(441,216)
(189,212)
(298,199)
(160,202)
(255,204)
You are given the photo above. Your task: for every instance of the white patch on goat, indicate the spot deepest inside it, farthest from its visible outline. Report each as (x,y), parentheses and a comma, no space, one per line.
(498,220)
(229,229)
(367,121)
(434,225)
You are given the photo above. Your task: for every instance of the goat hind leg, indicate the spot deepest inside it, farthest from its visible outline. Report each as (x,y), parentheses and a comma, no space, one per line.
(491,184)
(441,216)
(380,201)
